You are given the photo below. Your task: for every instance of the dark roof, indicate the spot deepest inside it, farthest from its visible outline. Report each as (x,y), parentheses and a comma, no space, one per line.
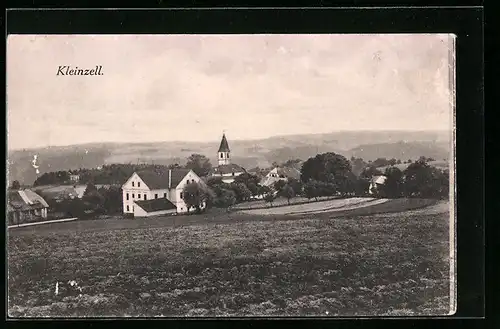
(289,172)
(17,203)
(228,169)
(224,146)
(159,178)
(156,205)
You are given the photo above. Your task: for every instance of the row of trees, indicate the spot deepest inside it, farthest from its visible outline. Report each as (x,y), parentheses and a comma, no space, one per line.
(102,201)
(330,174)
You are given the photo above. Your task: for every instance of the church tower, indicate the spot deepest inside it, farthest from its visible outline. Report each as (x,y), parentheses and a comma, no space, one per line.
(223,153)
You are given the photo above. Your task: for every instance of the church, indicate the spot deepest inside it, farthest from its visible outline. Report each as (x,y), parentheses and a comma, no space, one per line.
(225,169)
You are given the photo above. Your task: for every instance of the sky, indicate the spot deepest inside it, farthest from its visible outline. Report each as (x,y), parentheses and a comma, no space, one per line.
(194,87)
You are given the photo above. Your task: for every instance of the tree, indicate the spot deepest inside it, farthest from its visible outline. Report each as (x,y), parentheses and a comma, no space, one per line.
(325,167)
(241,190)
(214,181)
(250,181)
(380,162)
(199,163)
(296,185)
(92,199)
(346,184)
(15,185)
(225,199)
(263,190)
(422,180)
(392,162)
(311,190)
(398,162)
(287,192)
(358,165)
(269,197)
(112,199)
(90,189)
(369,172)
(293,163)
(278,185)
(393,186)
(195,196)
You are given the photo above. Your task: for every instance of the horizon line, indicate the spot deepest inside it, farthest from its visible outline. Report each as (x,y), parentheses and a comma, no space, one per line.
(216,140)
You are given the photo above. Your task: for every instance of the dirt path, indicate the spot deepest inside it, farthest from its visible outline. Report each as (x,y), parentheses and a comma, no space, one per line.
(318,207)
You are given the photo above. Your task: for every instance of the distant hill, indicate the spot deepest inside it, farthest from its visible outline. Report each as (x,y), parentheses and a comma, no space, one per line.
(400,150)
(248,153)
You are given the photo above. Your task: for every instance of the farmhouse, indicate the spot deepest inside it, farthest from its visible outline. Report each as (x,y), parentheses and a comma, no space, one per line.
(226,170)
(375,183)
(157,191)
(280,174)
(26,206)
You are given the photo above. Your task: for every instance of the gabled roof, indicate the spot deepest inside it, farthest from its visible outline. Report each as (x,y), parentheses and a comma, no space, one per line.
(288,172)
(224,146)
(35,198)
(25,200)
(157,179)
(156,205)
(227,169)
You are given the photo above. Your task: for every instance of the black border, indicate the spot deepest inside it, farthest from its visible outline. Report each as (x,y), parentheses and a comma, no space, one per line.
(466,23)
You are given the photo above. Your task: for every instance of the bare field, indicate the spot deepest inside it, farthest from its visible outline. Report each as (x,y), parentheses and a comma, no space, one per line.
(321,264)
(320,206)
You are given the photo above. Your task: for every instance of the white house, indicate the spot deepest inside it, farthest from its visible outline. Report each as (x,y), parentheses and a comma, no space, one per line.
(280,173)
(226,170)
(157,191)
(375,183)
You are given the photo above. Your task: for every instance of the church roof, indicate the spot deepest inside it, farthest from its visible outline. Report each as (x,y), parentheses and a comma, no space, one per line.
(224,146)
(227,169)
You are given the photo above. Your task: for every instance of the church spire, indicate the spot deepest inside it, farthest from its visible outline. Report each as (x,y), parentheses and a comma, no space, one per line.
(224,146)
(223,153)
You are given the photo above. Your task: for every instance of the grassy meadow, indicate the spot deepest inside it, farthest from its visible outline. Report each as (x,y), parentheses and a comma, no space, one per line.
(233,264)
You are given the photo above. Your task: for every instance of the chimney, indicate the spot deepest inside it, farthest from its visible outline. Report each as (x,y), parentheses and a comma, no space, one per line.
(169,179)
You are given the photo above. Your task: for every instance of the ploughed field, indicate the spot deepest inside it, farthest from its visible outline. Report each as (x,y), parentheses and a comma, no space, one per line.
(338,263)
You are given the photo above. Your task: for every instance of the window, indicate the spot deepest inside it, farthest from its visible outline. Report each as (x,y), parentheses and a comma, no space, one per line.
(133,184)
(133,196)
(138,184)
(165,195)
(156,195)
(145,197)
(182,194)
(192,181)
(128,208)
(138,196)
(233,173)
(127,196)
(222,155)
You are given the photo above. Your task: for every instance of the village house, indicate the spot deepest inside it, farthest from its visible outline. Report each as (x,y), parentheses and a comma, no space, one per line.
(57,193)
(75,178)
(280,174)
(375,183)
(25,206)
(225,169)
(155,192)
